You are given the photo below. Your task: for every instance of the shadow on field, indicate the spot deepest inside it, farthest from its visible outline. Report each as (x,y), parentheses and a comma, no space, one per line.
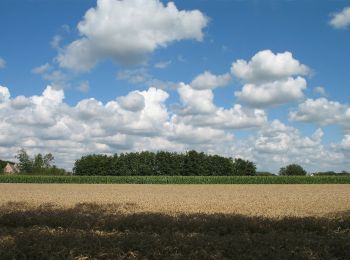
(110,232)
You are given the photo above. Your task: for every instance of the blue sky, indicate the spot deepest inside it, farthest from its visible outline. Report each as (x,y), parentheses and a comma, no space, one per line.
(292,103)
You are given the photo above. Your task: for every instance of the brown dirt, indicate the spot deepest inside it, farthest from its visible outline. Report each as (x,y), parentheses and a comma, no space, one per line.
(252,200)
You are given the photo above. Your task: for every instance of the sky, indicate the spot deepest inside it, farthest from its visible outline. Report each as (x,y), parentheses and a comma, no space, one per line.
(267,81)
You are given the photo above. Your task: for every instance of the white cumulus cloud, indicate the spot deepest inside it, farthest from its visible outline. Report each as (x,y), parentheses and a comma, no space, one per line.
(270,79)
(126,31)
(272,93)
(142,120)
(198,108)
(323,112)
(207,80)
(265,66)
(341,20)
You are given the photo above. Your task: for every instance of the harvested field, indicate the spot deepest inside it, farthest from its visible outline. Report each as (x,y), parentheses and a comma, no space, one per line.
(67,221)
(251,200)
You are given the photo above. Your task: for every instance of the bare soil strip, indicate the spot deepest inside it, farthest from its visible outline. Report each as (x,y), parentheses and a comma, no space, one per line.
(253,200)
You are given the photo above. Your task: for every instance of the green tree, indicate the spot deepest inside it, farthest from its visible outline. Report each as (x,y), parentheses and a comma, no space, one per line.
(243,167)
(93,165)
(292,170)
(25,164)
(38,163)
(48,160)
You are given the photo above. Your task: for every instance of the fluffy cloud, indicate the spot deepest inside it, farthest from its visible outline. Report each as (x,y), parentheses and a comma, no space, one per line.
(270,79)
(265,66)
(345,143)
(272,93)
(2,63)
(323,112)
(195,101)
(207,80)
(277,143)
(197,108)
(141,120)
(4,94)
(126,31)
(341,20)
(134,101)
(45,123)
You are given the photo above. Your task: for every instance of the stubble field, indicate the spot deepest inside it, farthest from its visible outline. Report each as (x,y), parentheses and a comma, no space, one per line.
(251,200)
(70,221)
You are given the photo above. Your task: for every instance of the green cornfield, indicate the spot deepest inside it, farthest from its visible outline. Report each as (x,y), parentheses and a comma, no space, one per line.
(176,179)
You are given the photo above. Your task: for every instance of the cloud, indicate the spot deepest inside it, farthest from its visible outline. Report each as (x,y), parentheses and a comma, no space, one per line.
(2,63)
(270,79)
(265,66)
(345,143)
(135,76)
(56,77)
(320,91)
(127,31)
(4,94)
(139,120)
(84,87)
(142,120)
(341,20)
(197,108)
(46,123)
(195,102)
(207,80)
(142,76)
(134,101)
(162,64)
(279,144)
(272,93)
(323,112)
(55,42)
(41,69)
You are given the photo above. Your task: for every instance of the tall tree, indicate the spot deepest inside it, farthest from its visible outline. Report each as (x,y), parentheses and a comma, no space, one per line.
(243,167)
(25,163)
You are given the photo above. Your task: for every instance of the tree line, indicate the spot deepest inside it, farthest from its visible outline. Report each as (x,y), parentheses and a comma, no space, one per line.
(162,163)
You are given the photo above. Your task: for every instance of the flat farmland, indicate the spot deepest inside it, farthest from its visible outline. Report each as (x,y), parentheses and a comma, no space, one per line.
(130,221)
(250,200)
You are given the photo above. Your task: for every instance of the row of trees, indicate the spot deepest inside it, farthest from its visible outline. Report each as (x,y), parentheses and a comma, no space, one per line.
(39,164)
(162,163)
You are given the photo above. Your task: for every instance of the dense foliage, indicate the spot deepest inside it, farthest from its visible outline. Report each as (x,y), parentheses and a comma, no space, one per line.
(176,179)
(39,164)
(292,170)
(162,163)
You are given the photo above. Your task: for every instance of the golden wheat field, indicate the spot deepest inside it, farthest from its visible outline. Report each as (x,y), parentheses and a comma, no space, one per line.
(252,200)
(110,221)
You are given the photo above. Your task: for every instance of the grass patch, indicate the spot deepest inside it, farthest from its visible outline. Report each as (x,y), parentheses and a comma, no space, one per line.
(176,179)
(95,231)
